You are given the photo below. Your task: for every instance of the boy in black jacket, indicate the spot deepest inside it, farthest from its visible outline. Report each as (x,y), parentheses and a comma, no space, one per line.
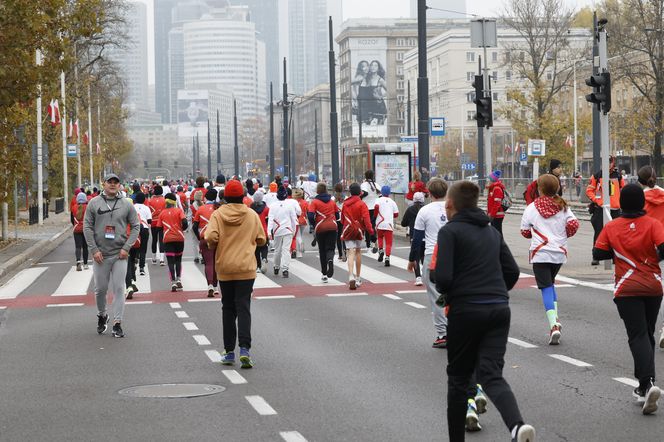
(479,313)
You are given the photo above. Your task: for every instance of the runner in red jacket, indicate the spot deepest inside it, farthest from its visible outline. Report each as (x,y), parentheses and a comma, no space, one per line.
(323,214)
(356,223)
(494,202)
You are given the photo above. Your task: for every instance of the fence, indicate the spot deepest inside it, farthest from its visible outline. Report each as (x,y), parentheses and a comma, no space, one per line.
(33,213)
(59,205)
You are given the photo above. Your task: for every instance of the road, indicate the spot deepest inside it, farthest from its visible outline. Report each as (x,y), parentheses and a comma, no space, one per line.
(331,365)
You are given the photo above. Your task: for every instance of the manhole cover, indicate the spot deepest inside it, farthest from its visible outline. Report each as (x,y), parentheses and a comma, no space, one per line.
(172,390)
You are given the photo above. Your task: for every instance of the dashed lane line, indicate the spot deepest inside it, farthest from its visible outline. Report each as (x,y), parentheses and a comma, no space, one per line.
(341,295)
(260,405)
(201,340)
(628,381)
(407,292)
(203,300)
(391,296)
(71,304)
(292,436)
(276,297)
(190,326)
(214,355)
(569,360)
(234,377)
(138,302)
(181,314)
(175,305)
(521,343)
(415,305)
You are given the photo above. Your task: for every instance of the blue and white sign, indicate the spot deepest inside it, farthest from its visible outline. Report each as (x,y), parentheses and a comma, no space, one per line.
(409,139)
(536,148)
(524,157)
(437,126)
(468,166)
(71,150)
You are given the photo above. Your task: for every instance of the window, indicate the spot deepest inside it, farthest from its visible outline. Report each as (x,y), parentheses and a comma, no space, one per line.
(470,76)
(401,42)
(470,115)
(494,74)
(508,114)
(470,56)
(495,96)
(400,84)
(508,75)
(494,57)
(399,56)
(399,70)
(522,56)
(401,115)
(508,57)
(400,98)
(508,97)
(549,75)
(470,96)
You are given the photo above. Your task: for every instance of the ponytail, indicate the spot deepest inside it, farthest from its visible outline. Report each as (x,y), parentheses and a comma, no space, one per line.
(79,211)
(560,201)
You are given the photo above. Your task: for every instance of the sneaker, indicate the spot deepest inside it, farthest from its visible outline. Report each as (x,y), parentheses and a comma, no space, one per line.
(216,291)
(472,420)
(162,263)
(352,284)
(264,266)
(440,342)
(134,287)
(141,272)
(480,400)
(358,281)
(323,278)
(554,335)
(129,293)
(374,247)
(276,271)
(196,260)
(178,283)
(85,266)
(344,257)
(418,281)
(651,397)
(381,254)
(661,339)
(102,323)
(387,261)
(79,266)
(523,433)
(154,260)
(245,358)
(210,291)
(330,269)
(228,358)
(314,242)
(284,273)
(174,287)
(117,331)
(203,261)
(594,262)
(640,395)
(293,254)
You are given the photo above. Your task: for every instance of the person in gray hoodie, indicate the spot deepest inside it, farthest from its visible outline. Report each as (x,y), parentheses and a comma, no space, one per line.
(111,227)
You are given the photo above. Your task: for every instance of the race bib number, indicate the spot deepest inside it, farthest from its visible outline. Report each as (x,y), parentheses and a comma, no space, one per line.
(109,232)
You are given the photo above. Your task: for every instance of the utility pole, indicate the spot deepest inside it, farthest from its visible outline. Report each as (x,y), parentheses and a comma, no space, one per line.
(334,129)
(218,145)
(422,90)
(193,157)
(408,116)
(236,159)
(272,171)
(284,103)
(63,121)
(209,155)
(92,179)
(77,131)
(40,170)
(316,143)
(359,120)
(597,142)
(198,154)
(291,142)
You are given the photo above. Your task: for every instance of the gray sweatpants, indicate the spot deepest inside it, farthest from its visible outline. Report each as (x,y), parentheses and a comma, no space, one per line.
(110,274)
(439,318)
(282,254)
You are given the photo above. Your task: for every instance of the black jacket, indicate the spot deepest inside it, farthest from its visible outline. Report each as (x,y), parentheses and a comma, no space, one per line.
(408,219)
(474,265)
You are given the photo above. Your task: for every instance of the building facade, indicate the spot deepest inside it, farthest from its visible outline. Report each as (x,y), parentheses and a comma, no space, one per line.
(311,112)
(162,26)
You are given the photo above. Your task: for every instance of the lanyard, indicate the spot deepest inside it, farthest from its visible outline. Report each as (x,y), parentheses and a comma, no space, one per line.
(109,207)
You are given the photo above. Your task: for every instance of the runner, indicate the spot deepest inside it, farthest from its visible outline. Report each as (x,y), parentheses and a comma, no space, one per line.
(408,220)
(174,223)
(199,197)
(132,260)
(386,211)
(356,224)
(77,216)
(339,201)
(370,194)
(298,242)
(199,224)
(496,192)
(145,216)
(548,222)
(157,204)
(263,212)
(323,214)
(281,226)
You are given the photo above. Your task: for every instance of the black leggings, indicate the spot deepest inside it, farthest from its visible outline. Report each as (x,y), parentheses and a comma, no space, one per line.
(145,237)
(326,242)
(236,306)
(371,238)
(261,254)
(81,247)
(341,245)
(157,236)
(131,266)
(174,258)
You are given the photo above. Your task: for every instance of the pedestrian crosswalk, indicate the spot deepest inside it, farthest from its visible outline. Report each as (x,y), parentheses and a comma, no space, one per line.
(74,283)
(20,282)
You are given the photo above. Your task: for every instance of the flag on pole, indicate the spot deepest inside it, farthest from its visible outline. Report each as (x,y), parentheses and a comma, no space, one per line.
(76,132)
(98,149)
(86,138)
(54,113)
(71,129)
(569,141)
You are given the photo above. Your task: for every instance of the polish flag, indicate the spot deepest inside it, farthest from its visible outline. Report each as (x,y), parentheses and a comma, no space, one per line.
(98,149)
(86,139)
(76,131)
(569,141)
(54,113)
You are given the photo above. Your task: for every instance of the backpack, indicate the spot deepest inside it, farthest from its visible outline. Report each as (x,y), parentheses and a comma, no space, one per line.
(506,202)
(531,192)
(353,230)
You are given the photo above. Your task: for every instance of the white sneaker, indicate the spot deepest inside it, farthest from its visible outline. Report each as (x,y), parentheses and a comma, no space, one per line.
(651,398)
(210,291)
(358,281)
(661,339)
(85,267)
(323,278)
(264,266)
(418,281)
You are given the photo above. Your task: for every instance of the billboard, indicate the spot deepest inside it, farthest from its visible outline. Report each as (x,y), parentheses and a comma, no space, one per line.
(192,113)
(368,57)
(392,169)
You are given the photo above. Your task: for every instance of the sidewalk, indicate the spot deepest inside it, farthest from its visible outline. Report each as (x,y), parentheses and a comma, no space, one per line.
(34,242)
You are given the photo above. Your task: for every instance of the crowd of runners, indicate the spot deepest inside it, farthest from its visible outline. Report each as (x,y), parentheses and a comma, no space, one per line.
(229,226)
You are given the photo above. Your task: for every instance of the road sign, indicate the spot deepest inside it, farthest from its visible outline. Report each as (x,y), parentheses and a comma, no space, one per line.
(468,166)
(536,148)
(409,139)
(437,126)
(71,150)
(524,156)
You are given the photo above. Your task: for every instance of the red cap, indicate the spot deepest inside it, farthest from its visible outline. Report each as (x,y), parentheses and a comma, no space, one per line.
(233,189)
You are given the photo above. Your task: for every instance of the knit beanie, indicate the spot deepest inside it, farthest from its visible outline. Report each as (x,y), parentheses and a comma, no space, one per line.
(220,179)
(312,177)
(258,197)
(554,164)
(273,186)
(211,194)
(234,189)
(495,176)
(282,194)
(385,190)
(355,189)
(632,198)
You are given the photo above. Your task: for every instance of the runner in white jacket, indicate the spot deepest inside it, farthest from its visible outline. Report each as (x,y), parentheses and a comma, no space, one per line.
(282,221)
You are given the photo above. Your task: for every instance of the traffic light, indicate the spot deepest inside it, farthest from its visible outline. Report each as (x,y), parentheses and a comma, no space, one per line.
(601,95)
(484,112)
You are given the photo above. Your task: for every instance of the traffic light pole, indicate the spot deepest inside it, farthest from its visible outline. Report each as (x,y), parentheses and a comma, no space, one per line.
(604,131)
(487,95)
(272,171)
(422,91)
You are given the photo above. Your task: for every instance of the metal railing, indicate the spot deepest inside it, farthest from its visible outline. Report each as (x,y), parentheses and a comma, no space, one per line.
(33,213)
(59,205)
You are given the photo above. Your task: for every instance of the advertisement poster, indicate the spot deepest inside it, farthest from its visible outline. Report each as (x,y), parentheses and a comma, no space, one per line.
(392,169)
(192,113)
(369,86)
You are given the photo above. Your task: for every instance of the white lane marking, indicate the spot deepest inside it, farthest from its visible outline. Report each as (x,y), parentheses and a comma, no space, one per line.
(138,302)
(309,274)
(190,326)
(414,304)
(339,295)
(558,286)
(526,275)
(21,281)
(193,277)
(628,381)
(276,297)
(521,343)
(292,436)
(72,304)
(263,282)
(74,283)
(405,292)
(214,355)
(175,305)
(260,405)
(234,377)
(201,340)
(181,314)
(592,285)
(372,275)
(571,360)
(395,261)
(204,300)
(53,262)
(143,282)
(390,296)
(3,307)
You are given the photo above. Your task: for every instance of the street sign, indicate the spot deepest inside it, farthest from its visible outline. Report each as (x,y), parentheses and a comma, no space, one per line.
(468,166)
(524,156)
(536,148)
(408,139)
(437,126)
(71,150)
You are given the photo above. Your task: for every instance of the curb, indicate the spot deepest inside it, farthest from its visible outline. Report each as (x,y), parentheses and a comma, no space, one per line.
(35,252)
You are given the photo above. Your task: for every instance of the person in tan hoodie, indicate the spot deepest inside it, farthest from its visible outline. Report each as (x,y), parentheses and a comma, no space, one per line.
(235,230)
